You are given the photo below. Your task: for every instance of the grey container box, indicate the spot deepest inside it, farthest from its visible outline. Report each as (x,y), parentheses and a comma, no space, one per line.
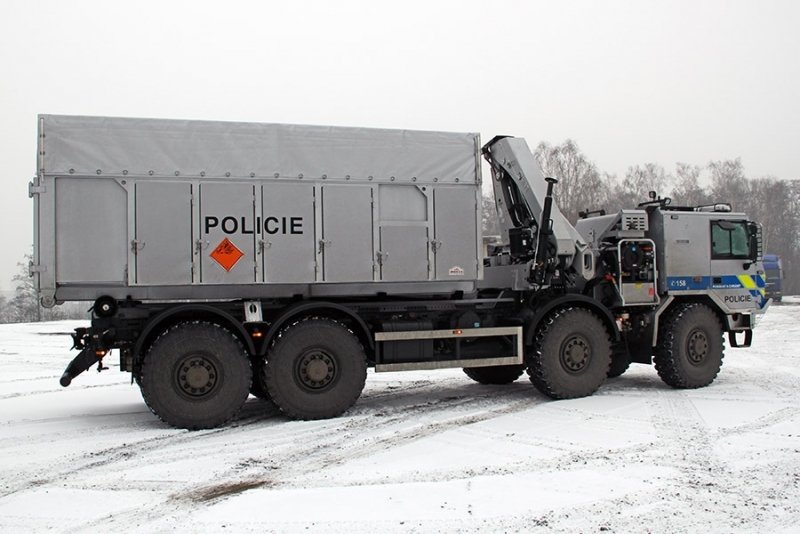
(158,209)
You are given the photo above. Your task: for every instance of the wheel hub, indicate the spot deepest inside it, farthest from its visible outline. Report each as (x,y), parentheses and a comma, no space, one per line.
(197,376)
(697,347)
(316,369)
(575,354)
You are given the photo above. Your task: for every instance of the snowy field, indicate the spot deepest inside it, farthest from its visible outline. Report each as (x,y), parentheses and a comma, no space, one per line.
(419,452)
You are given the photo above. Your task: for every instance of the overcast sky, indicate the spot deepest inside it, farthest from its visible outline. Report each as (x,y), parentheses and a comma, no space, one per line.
(631,82)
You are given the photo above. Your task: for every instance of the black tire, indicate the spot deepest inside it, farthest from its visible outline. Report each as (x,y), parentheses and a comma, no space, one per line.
(690,349)
(497,374)
(257,387)
(620,361)
(315,369)
(195,375)
(571,354)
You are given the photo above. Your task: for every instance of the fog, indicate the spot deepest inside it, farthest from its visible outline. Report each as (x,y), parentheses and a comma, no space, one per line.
(631,82)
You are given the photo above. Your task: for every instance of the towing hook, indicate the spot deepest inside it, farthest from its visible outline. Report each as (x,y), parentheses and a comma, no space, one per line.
(82,362)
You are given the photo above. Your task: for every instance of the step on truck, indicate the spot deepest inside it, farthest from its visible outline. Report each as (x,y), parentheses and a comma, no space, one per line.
(228,259)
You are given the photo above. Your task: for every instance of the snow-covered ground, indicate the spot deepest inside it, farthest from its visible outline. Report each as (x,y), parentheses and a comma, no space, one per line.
(419,452)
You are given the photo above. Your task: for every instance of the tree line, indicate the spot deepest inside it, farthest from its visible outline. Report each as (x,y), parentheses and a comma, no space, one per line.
(773,202)
(23,306)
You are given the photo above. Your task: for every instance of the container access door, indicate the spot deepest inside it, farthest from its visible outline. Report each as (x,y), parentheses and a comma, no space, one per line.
(162,245)
(404,233)
(228,231)
(346,247)
(287,233)
(456,237)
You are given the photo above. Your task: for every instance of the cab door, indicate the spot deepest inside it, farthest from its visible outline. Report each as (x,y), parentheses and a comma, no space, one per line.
(735,276)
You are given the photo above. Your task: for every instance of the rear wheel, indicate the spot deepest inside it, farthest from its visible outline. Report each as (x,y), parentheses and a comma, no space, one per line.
(571,354)
(257,388)
(315,369)
(497,374)
(195,375)
(690,348)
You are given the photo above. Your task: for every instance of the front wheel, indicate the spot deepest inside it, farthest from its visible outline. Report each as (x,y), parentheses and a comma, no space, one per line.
(690,348)
(316,369)
(195,375)
(571,354)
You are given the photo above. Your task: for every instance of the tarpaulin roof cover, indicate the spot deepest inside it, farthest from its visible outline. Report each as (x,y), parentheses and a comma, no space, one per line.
(79,145)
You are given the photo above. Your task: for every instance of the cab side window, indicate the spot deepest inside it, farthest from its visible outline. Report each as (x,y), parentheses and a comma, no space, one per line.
(729,240)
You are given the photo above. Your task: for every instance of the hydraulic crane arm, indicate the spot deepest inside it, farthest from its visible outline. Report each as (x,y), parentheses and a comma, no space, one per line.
(520,196)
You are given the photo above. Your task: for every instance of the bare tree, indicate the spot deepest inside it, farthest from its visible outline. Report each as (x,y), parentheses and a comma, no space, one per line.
(4,310)
(687,190)
(637,184)
(24,306)
(729,183)
(489,224)
(776,205)
(580,184)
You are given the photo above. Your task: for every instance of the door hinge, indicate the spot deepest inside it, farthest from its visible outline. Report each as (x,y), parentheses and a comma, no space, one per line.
(35,189)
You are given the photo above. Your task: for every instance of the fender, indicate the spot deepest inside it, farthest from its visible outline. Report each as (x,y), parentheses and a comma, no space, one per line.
(192,312)
(307,308)
(573,299)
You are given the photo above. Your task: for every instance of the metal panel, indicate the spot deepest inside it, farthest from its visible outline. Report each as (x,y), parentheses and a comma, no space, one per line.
(451,334)
(91,230)
(455,240)
(403,203)
(687,244)
(288,232)
(404,253)
(347,233)
(163,251)
(227,211)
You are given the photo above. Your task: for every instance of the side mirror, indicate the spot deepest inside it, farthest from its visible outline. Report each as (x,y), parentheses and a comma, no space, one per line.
(754,233)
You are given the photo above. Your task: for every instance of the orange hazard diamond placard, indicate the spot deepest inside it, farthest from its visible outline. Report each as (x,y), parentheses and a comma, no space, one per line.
(226,254)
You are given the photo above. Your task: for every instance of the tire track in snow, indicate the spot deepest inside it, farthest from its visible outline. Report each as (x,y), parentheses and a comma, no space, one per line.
(366,433)
(406,404)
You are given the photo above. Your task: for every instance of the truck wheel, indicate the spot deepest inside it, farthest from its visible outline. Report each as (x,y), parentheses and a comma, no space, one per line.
(315,369)
(195,375)
(571,354)
(620,361)
(497,374)
(690,348)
